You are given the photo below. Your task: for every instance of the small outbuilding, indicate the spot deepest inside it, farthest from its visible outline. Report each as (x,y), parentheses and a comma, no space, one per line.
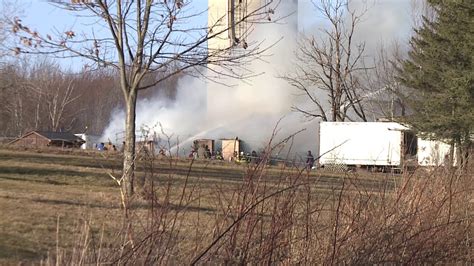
(230,148)
(37,139)
(204,143)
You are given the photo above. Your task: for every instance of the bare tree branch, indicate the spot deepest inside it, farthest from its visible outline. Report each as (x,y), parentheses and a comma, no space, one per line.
(328,67)
(146,38)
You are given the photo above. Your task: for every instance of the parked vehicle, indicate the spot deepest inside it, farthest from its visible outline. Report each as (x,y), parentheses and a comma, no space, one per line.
(373,144)
(434,152)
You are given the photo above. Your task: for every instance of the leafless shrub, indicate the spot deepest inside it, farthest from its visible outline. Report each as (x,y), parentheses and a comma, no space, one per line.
(293,216)
(414,223)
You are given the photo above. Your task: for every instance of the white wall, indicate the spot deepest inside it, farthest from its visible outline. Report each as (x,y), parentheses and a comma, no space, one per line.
(361,143)
(432,152)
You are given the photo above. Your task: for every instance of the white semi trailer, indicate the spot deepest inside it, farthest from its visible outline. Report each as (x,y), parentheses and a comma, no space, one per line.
(434,152)
(377,144)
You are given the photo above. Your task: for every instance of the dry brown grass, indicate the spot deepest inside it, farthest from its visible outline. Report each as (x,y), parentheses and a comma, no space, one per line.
(231,215)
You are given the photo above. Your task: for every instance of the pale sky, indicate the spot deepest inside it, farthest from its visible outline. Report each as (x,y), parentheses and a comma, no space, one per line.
(385,21)
(383,14)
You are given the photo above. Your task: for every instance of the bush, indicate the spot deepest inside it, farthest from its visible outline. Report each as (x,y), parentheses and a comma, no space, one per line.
(297,218)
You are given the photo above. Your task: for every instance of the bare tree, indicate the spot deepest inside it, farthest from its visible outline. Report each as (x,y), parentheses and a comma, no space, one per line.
(388,98)
(15,105)
(56,93)
(328,64)
(98,99)
(40,96)
(8,8)
(143,38)
(37,96)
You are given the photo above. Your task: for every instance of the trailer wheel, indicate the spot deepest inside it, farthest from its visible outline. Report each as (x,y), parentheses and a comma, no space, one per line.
(351,168)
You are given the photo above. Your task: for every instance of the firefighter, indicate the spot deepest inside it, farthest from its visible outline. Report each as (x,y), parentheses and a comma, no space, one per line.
(254,157)
(219,156)
(309,160)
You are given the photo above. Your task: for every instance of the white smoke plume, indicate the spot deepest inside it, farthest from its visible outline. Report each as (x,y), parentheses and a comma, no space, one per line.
(250,110)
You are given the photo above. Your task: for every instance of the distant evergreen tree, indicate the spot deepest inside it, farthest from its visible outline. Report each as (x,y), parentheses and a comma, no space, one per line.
(439,69)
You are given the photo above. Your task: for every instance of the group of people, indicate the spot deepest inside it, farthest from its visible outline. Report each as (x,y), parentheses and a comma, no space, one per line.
(245,157)
(254,158)
(203,152)
(105,147)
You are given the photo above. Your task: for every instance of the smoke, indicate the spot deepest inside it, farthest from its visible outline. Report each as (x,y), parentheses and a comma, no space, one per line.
(249,110)
(383,22)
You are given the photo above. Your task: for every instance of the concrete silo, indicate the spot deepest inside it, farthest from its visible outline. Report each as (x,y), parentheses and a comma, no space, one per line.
(226,16)
(264,94)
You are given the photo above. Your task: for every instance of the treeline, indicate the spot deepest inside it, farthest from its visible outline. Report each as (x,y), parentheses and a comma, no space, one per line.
(43,96)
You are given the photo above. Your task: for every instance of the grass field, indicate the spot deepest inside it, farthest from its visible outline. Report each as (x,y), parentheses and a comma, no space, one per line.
(46,197)
(39,187)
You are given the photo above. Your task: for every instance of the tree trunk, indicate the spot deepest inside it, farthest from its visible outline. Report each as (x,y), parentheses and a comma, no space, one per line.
(452,154)
(463,152)
(129,149)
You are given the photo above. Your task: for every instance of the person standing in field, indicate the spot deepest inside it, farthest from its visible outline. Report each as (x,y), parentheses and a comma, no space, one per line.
(201,152)
(309,160)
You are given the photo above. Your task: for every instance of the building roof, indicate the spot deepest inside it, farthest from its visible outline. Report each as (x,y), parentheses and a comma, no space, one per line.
(54,136)
(62,136)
